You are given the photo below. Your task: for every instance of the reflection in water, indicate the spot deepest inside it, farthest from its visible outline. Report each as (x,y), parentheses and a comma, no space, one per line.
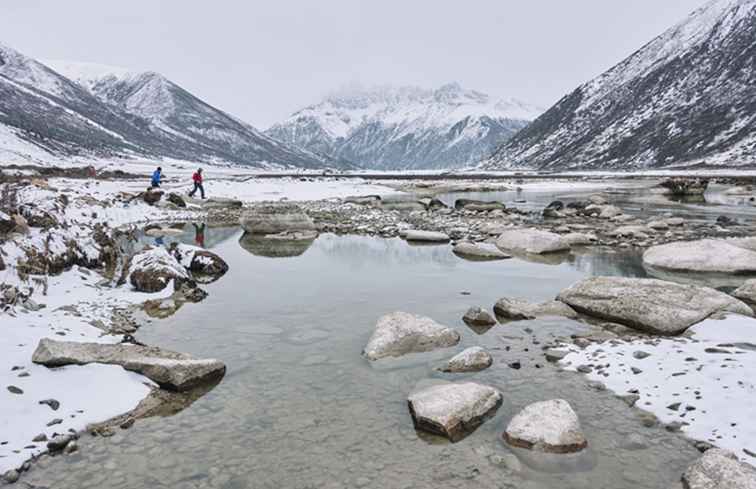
(300,408)
(277,246)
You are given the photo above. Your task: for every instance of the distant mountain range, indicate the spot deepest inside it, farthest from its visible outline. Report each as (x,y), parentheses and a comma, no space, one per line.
(64,110)
(397,128)
(688,97)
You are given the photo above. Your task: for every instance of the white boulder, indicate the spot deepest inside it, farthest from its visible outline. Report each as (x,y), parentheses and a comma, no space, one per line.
(400,333)
(547,426)
(530,240)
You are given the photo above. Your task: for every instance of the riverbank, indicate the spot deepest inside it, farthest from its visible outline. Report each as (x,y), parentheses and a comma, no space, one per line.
(89,310)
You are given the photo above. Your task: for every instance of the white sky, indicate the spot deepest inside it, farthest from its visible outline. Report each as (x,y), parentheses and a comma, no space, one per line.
(261,60)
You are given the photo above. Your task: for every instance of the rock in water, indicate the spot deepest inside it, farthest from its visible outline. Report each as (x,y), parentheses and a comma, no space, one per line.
(476,316)
(704,256)
(649,305)
(453,410)
(479,251)
(170,370)
(531,240)
(719,469)
(518,309)
(747,292)
(473,359)
(276,218)
(399,333)
(547,426)
(685,186)
(199,261)
(281,245)
(478,205)
(426,236)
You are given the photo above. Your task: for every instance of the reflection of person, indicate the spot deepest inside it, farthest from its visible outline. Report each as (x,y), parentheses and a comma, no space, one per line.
(157,176)
(160,241)
(197,179)
(199,234)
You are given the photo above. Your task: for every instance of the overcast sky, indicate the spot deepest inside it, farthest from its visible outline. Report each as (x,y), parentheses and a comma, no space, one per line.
(263,59)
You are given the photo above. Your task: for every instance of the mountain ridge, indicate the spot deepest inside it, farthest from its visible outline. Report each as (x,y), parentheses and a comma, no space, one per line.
(685,97)
(405,127)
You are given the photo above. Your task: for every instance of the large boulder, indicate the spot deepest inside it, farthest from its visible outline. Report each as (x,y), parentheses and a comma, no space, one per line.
(530,240)
(453,410)
(649,305)
(152,196)
(7,224)
(426,236)
(547,426)
(276,218)
(170,370)
(473,359)
(202,263)
(514,309)
(399,333)
(215,203)
(719,469)
(152,269)
(476,316)
(703,256)
(479,251)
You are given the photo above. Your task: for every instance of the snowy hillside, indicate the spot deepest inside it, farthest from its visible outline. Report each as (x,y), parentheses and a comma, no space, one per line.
(47,117)
(211,133)
(687,97)
(406,127)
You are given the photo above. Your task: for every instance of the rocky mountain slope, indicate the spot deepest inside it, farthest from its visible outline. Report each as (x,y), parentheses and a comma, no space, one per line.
(395,128)
(687,97)
(100,113)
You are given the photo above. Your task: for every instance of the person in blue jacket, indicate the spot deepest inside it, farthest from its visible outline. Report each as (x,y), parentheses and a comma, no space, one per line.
(157,176)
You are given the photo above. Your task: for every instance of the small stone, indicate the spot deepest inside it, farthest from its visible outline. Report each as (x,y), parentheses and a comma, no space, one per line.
(54,422)
(40,438)
(11,476)
(548,426)
(640,355)
(54,405)
(636,370)
(14,390)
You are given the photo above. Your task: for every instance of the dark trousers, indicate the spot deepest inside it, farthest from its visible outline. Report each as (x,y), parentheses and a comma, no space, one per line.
(197,186)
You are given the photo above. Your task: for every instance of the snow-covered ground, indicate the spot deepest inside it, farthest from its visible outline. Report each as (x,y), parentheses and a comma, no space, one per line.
(707,381)
(86,394)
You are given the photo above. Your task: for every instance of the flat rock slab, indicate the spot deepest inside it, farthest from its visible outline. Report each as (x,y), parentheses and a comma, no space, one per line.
(529,240)
(473,359)
(719,469)
(170,370)
(426,236)
(276,218)
(703,256)
(514,309)
(400,333)
(547,426)
(479,251)
(453,410)
(649,305)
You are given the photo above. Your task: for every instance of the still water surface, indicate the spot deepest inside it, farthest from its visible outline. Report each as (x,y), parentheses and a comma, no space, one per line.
(300,408)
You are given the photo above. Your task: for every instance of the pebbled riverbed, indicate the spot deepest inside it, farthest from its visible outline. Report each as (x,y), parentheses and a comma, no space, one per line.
(300,408)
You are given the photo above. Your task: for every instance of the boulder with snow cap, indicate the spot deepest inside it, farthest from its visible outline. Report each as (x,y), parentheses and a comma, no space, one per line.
(152,269)
(202,263)
(453,410)
(547,426)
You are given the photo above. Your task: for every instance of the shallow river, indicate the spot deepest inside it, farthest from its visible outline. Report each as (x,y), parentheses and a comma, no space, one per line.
(300,408)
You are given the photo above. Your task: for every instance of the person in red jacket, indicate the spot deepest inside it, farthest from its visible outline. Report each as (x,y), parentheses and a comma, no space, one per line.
(197,179)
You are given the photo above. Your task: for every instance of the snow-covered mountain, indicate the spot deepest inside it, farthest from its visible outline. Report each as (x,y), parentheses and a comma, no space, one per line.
(66,110)
(406,127)
(687,97)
